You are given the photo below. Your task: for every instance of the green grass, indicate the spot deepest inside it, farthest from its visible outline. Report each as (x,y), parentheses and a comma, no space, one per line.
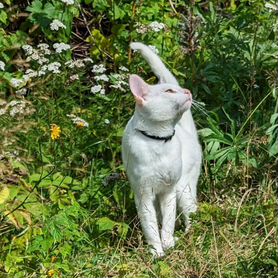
(230,237)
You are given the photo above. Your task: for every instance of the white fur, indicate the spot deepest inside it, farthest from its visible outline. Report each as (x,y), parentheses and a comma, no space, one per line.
(161,173)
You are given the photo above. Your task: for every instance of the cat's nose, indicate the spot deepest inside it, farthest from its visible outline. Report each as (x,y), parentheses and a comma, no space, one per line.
(187,92)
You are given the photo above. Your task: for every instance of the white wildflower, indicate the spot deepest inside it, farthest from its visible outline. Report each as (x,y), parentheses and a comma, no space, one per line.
(74,77)
(46,51)
(153,49)
(17,107)
(107,121)
(21,92)
(102,92)
(29,74)
(54,67)
(43,60)
(3,111)
(43,46)
(102,77)
(119,85)
(75,64)
(28,49)
(141,29)
(271,7)
(2,65)
(26,78)
(99,68)
(68,2)
(96,89)
(56,24)
(59,47)
(156,26)
(16,82)
(41,72)
(78,121)
(1,5)
(122,68)
(35,56)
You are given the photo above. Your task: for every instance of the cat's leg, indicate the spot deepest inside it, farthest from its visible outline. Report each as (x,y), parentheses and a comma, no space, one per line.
(187,195)
(148,219)
(167,202)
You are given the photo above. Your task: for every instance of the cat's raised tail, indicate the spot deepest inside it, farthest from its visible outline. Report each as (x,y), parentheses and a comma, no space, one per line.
(157,66)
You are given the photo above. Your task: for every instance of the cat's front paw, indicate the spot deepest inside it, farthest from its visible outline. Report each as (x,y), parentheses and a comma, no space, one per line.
(157,253)
(168,242)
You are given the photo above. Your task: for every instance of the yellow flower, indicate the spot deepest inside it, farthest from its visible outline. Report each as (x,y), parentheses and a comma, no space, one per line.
(55,132)
(50,273)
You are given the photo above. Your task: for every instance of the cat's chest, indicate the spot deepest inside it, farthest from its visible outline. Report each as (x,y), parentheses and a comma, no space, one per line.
(154,163)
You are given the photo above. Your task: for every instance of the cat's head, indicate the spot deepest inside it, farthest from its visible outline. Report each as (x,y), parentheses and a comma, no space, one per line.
(161,102)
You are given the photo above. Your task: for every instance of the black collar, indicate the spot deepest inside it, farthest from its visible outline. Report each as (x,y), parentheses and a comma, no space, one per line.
(165,139)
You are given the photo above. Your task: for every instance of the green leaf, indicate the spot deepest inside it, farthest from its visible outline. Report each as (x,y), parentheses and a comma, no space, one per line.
(36,7)
(273,119)
(274,149)
(4,194)
(68,180)
(18,165)
(205,132)
(3,17)
(35,177)
(105,224)
(119,13)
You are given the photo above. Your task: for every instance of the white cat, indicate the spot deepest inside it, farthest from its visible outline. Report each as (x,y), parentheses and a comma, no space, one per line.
(161,152)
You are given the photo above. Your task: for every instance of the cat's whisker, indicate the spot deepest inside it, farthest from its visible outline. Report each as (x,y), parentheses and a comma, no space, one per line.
(200,107)
(199,102)
(202,111)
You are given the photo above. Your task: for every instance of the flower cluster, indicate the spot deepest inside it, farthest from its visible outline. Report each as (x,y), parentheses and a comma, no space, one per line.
(271,6)
(102,77)
(60,47)
(153,26)
(56,24)
(156,26)
(39,55)
(97,89)
(119,82)
(99,77)
(41,65)
(16,108)
(99,68)
(54,67)
(78,121)
(40,58)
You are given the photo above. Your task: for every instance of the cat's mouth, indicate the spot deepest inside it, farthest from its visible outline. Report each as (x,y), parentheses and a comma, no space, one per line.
(188,102)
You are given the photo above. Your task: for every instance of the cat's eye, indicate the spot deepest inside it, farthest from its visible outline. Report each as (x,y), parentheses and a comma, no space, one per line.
(171,91)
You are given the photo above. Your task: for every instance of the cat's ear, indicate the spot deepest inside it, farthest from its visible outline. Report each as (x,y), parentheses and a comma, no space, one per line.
(139,88)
